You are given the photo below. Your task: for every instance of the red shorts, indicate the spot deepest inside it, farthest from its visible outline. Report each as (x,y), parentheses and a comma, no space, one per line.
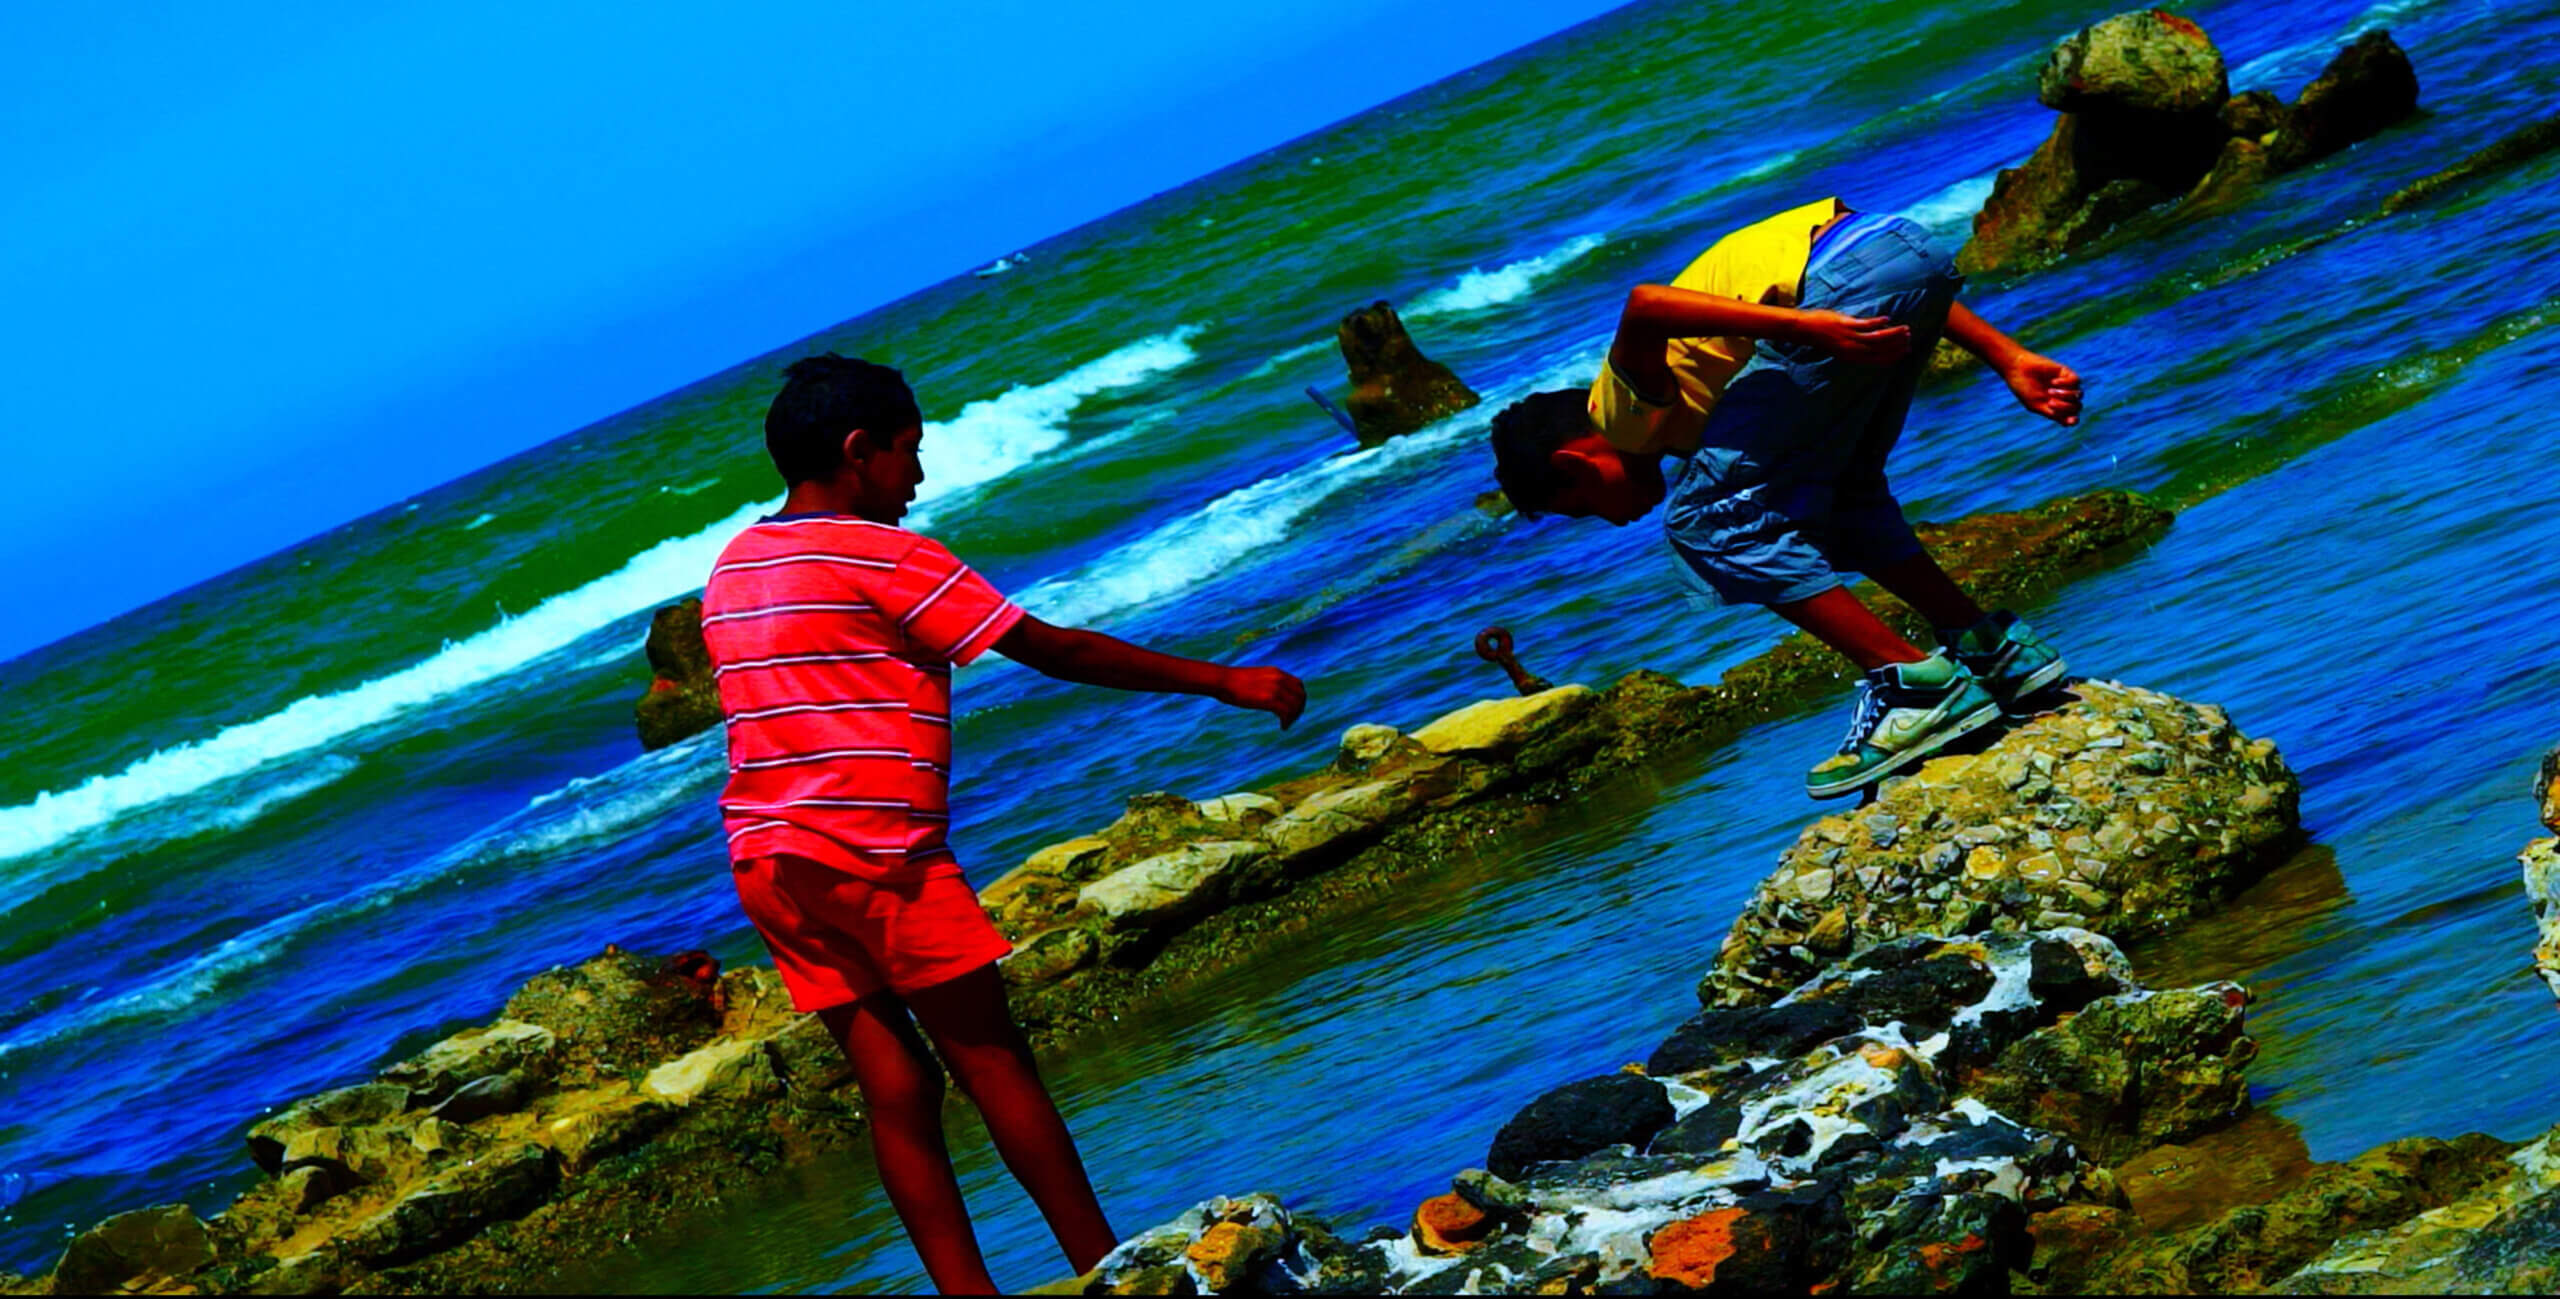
(838,938)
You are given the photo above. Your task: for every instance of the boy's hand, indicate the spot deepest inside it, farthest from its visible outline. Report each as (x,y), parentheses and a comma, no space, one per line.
(1268,690)
(1859,340)
(2045,386)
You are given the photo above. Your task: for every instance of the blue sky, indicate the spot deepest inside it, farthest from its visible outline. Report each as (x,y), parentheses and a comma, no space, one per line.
(271,266)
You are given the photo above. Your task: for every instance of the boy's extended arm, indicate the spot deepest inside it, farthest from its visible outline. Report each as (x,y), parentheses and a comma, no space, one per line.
(1093,659)
(1657,313)
(2043,385)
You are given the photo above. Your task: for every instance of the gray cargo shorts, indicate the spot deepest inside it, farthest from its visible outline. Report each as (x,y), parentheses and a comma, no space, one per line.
(1787,488)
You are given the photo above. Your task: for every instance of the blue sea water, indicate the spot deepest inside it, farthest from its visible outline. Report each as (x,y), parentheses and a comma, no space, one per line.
(275,831)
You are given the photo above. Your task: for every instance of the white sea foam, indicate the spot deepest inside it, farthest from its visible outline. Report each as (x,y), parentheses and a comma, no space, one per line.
(1479,289)
(1208,541)
(1281,360)
(259,802)
(987,440)
(1948,214)
(586,810)
(483,521)
(2294,64)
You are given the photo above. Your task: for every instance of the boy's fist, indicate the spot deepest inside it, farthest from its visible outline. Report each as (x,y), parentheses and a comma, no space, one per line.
(2045,386)
(1268,690)
(1859,340)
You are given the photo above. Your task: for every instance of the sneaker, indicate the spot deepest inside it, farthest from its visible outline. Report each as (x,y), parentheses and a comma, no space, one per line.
(1906,711)
(2011,661)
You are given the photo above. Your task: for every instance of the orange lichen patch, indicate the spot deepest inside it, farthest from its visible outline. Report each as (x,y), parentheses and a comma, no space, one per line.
(1226,1252)
(1447,1224)
(1688,1251)
(1935,1256)
(2183,26)
(1882,1057)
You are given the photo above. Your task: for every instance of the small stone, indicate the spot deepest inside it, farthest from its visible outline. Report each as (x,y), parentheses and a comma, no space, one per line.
(1985,864)
(1240,809)
(1489,1193)
(1366,743)
(1448,1224)
(728,1069)
(1883,829)
(1814,885)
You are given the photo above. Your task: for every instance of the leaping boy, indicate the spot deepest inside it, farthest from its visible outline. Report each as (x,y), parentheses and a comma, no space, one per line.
(1778,368)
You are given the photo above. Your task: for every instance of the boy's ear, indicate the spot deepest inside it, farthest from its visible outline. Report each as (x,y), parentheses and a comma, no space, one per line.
(1573,468)
(858,446)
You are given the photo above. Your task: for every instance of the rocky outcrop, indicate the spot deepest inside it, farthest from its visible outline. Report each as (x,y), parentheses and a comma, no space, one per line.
(682,699)
(2124,812)
(1102,918)
(2147,119)
(2513,151)
(658,1079)
(2541,861)
(2480,1226)
(1831,1140)
(1395,389)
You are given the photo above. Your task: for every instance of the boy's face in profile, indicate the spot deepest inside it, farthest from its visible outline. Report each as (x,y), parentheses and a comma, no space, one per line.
(885,475)
(1602,482)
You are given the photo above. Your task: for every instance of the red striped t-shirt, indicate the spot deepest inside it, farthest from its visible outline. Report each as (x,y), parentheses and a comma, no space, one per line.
(832,639)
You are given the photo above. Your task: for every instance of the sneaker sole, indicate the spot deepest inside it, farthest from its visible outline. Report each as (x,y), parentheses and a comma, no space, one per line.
(1979,718)
(2043,680)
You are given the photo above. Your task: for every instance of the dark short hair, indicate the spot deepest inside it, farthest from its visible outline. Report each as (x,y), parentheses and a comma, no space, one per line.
(1525,436)
(823,398)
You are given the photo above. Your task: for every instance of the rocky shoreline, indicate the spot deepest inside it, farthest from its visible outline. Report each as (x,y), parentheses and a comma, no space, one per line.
(1991,1104)
(611,1096)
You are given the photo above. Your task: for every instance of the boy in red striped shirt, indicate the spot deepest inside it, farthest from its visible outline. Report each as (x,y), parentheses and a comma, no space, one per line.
(833,633)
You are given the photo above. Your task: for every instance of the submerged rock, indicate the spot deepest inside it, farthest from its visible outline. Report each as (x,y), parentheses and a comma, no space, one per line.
(2514,150)
(1394,388)
(682,699)
(2123,812)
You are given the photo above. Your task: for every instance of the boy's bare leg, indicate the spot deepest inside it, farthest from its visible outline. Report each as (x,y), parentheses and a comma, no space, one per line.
(973,1026)
(902,1089)
(1837,619)
(1928,590)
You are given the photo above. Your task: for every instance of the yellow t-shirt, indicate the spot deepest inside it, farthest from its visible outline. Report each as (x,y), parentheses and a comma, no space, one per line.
(1761,263)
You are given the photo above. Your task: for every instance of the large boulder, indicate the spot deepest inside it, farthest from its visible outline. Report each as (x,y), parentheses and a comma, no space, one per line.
(2124,812)
(2131,1072)
(2368,86)
(682,699)
(1578,1119)
(1394,387)
(2147,61)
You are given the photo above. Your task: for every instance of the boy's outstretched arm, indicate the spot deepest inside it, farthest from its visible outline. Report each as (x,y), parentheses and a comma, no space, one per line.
(1657,313)
(1093,659)
(2043,385)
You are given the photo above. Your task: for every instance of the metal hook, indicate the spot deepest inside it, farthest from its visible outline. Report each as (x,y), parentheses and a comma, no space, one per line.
(1493,645)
